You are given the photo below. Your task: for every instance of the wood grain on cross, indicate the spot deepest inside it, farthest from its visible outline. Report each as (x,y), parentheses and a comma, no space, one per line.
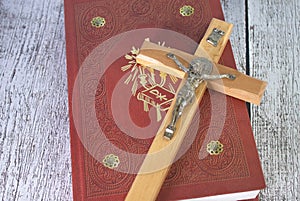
(147,183)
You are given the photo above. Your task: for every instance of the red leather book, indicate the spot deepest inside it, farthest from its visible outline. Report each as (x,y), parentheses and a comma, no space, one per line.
(116,106)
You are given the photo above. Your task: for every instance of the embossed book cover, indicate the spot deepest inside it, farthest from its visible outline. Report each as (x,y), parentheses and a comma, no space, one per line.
(117,105)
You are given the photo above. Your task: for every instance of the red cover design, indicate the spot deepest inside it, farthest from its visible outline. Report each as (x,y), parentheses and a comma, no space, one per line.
(196,173)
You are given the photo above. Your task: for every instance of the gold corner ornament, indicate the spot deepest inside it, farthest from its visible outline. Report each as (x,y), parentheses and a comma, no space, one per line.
(111,161)
(98,22)
(187,10)
(214,148)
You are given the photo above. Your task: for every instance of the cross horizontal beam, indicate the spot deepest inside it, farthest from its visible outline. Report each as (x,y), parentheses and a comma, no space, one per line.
(244,87)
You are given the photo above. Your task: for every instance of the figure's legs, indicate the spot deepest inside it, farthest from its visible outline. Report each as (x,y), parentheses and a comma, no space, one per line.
(176,114)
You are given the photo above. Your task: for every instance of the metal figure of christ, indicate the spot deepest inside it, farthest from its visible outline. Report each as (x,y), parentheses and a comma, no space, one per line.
(199,70)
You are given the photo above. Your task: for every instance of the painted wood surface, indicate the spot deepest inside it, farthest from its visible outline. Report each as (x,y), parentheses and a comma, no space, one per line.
(34,125)
(274,49)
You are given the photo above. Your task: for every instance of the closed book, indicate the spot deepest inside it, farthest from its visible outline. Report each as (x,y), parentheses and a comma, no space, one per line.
(116,105)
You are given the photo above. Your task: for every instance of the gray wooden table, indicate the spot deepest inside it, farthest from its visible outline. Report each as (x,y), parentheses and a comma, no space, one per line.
(34,125)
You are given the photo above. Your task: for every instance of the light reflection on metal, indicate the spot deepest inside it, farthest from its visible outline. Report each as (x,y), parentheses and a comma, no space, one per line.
(215,37)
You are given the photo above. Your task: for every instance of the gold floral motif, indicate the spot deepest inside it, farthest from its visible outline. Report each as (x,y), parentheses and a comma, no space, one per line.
(155,92)
(98,22)
(214,148)
(111,161)
(187,10)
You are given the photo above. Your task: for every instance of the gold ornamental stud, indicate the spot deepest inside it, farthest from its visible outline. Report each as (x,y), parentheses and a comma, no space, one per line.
(98,22)
(214,148)
(111,161)
(187,10)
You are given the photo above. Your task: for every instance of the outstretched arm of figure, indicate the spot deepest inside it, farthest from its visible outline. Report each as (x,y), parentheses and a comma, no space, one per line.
(178,63)
(215,77)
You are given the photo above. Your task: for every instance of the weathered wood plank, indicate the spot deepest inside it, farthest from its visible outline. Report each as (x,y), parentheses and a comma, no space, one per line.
(34,138)
(274,56)
(234,11)
(34,127)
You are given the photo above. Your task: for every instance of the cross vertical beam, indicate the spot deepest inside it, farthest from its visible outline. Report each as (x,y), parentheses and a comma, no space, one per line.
(147,185)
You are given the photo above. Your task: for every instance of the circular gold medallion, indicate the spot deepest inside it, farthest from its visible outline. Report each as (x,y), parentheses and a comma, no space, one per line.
(98,22)
(214,148)
(186,10)
(111,161)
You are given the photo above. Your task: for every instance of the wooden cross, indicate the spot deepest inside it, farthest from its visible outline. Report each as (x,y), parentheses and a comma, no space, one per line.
(146,185)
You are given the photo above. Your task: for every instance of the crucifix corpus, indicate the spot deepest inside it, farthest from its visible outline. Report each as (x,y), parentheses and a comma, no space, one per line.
(197,75)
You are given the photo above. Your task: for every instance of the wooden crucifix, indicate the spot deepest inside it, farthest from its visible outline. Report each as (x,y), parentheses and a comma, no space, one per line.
(146,185)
